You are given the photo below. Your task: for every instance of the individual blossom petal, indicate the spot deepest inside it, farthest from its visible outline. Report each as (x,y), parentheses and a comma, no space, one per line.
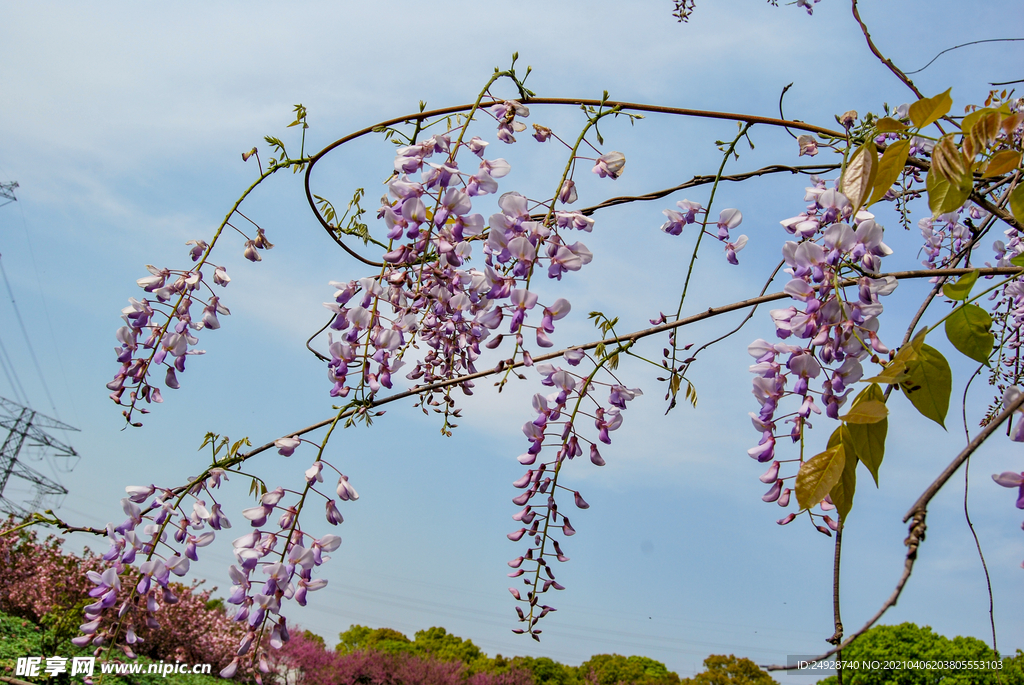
(1009,479)
(220,276)
(808,145)
(250,251)
(258,515)
(333,515)
(773,492)
(567,193)
(610,164)
(772,474)
(313,474)
(271,498)
(345,490)
(732,248)
(784,498)
(728,219)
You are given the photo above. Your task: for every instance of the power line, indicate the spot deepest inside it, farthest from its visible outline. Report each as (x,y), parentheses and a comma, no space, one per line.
(12,374)
(28,341)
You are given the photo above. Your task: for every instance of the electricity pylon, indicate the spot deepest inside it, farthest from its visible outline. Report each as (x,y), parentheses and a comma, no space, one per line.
(7,192)
(25,424)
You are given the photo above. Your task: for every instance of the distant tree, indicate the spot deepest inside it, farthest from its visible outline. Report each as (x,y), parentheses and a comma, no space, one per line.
(442,645)
(615,669)
(909,642)
(730,670)
(387,640)
(546,671)
(314,638)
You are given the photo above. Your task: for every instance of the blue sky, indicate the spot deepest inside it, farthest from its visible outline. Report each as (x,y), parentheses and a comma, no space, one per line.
(124,128)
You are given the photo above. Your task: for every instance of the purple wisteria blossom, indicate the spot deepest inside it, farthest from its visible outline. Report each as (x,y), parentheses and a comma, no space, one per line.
(828,333)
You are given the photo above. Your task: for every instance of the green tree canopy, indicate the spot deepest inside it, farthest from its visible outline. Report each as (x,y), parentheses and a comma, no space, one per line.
(615,669)
(730,670)
(908,642)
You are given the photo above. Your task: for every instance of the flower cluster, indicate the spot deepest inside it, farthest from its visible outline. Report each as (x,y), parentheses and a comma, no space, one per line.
(556,426)
(838,332)
(289,572)
(426,291)
(158,330)
(728,219)
(144,534)
(40,579)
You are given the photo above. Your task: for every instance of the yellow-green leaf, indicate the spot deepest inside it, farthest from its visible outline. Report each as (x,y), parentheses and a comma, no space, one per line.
(929,110)
(859,177)
(961,290)
(944,197)
(889,125)
(930,384)
(968,328)
(818,475)
(870,411)
(971,119)
(842,492)
(894,373)
(1017,203)
(1002,163)
(890,166)
(867,440)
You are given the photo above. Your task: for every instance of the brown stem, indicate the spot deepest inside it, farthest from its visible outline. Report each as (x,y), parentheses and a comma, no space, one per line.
(579,102)
(877,53)
(710,178)
(711,312)
(837,637)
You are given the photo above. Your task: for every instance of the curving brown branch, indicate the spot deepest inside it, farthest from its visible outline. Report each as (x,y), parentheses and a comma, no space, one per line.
(877,53)
(710,178)
(636,335)
(418,117)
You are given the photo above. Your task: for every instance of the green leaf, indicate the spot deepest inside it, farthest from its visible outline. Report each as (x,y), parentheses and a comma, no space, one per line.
(867,440)
(944,197)
(961,290)
(929,110)
(842,492)
(890,166)
(1017,203)
(968,328)
(859,177)
(869,411)
(1018,260)
(889,125)
(930,384)
(818,475)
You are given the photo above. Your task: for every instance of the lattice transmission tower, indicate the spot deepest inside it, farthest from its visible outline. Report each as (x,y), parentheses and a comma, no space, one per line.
(7,192)
(24,426)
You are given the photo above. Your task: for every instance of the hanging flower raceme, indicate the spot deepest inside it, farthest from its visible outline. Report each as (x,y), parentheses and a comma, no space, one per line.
(555,426)
(838,332)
